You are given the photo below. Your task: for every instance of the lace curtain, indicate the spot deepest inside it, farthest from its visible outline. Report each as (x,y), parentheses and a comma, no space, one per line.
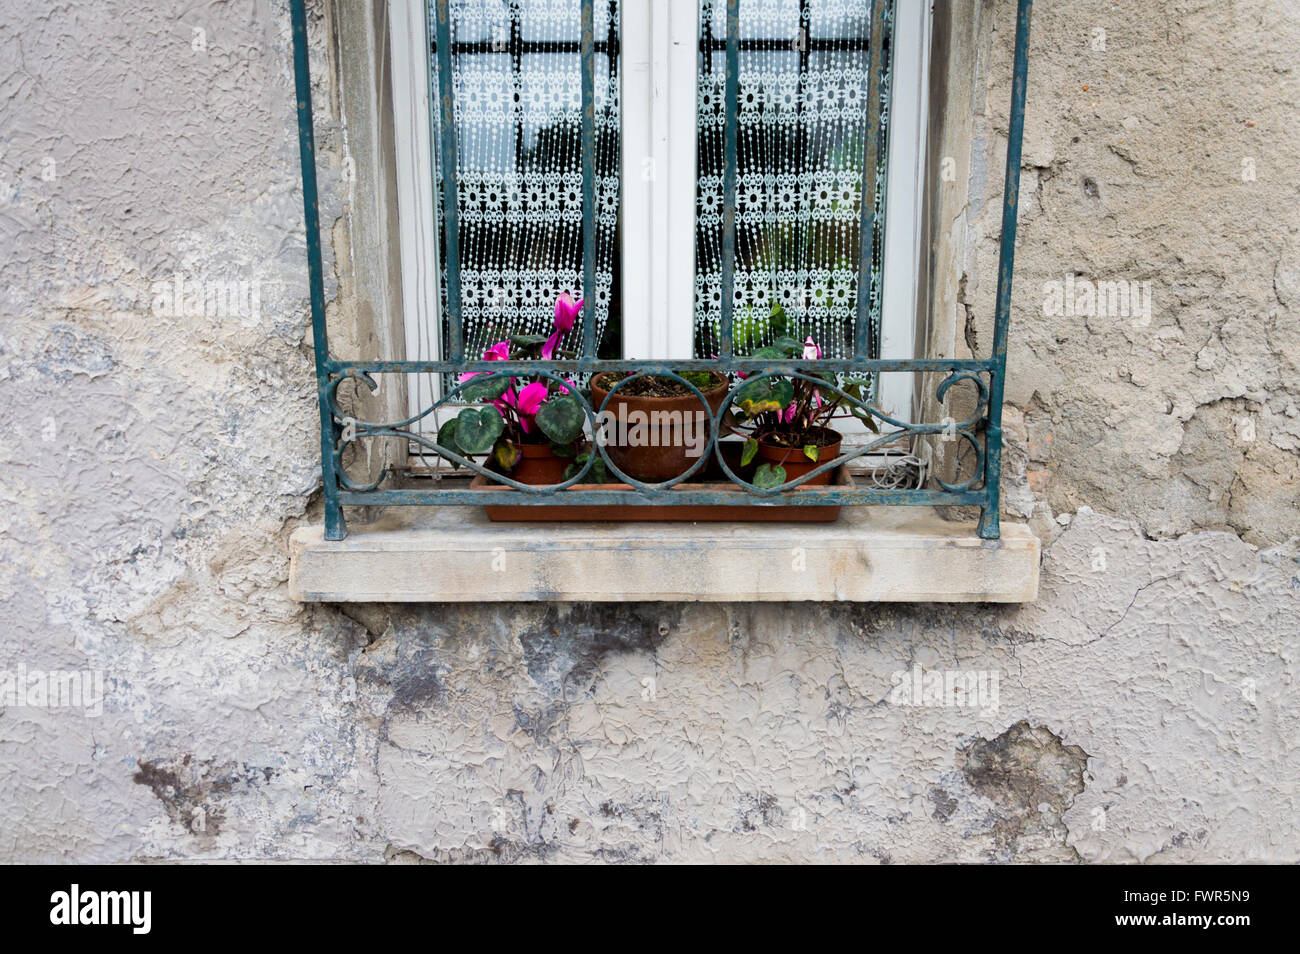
(805,118)
(807,111)
(517,87)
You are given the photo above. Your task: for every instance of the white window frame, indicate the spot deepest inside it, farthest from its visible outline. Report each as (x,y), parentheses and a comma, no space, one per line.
(658,167)
(659,129)
(909,113)
(412,77)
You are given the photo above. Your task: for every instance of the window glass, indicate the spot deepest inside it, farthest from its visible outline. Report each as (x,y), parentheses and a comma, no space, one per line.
(517,88)
(807,116)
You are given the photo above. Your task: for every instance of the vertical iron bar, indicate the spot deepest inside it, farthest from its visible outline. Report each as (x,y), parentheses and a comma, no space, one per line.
(588,179)
(989,513)
(731,105)
(447,159)
(336,527)
(870,156)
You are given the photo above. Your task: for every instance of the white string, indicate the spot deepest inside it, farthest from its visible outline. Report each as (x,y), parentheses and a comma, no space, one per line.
(897,471)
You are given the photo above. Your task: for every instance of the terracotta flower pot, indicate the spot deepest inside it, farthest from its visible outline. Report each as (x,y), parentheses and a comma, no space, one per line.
(538,464)
(794,461)
(674,434)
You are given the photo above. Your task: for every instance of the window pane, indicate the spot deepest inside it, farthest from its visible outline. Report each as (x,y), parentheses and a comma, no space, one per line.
(805,117)
(517,88)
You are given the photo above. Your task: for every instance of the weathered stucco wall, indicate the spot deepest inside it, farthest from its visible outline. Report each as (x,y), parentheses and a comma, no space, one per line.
(154,463)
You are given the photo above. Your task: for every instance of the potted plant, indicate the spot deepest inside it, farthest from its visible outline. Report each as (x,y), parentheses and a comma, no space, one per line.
(786,421)
(654,428)
(530,428)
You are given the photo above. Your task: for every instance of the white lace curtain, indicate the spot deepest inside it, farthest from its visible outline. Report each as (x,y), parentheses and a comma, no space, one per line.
(517,87)
(805,114)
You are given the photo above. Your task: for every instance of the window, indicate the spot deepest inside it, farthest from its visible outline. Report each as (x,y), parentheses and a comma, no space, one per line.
(818,87)
(763,384)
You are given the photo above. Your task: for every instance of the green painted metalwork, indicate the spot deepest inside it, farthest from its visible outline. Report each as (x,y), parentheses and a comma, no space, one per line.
(330,431)
(982,431)
(989,514)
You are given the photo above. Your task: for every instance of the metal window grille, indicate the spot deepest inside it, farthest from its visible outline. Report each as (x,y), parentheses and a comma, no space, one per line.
(981,431)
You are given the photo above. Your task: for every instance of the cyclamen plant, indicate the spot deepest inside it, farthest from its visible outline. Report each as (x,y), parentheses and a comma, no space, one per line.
(518,410)
(793,413)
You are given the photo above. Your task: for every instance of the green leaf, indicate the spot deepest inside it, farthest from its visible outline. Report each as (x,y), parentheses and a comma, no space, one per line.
(477,429)
(561,418)
(597,474)
(764,394)
(562,450)
(788,347)
(748,451)
(866,417)
(447,438)
(527,341)
(769,352)
(483,389)
(768,476)
(853,388)
(811,451)
(506,455)
(776,320)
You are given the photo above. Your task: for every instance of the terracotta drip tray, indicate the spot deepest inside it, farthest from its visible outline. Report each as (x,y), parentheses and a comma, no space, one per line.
(840,477)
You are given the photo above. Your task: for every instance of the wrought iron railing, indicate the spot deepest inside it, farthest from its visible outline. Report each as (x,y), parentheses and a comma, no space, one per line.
(981,430)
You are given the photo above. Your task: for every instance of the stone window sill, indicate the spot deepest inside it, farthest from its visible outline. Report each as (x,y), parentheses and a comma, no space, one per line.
(871,554)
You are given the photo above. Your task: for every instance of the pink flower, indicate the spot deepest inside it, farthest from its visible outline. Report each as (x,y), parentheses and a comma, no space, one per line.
(548,349)
(531,398)
(811,350)
(498,352)
(566,312)
(506,400)
(788,415)
(527,403)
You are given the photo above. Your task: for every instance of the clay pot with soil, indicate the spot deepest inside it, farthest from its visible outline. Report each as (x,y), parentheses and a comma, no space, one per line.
(655,428)
(787,451)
